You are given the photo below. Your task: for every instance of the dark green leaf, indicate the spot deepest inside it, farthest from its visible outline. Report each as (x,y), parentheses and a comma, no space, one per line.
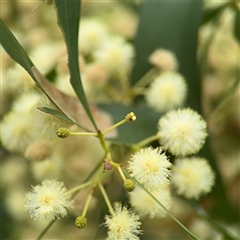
(220,228)
(210,13)
(14,49)
(172,25)
(68,13)
(237,24)
(70,106)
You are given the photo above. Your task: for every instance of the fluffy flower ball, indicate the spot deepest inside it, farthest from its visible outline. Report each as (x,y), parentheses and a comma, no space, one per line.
(164,60)
(182,132)
(145,205)
(192,177)
(48,201)
(168,91)
(16,131)
(123,225)
(116,55)
(150,167)
(92,34)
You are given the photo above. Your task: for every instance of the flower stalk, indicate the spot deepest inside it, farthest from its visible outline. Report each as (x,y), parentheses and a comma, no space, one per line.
(105,196)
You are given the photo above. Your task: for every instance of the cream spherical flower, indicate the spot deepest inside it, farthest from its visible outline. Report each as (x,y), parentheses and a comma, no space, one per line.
(150,167)
(192,177)
(167,91)
(25,101)
(92,34)
(48,168)
(45,56)
(145,205)
(16,131)
(18,79)
(164,60)
(182,132)
(123,225)
(116,55)
(48,201)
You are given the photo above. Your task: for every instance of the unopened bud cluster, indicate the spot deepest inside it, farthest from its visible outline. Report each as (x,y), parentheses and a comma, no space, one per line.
(62,132)
(131,117)
(81,222)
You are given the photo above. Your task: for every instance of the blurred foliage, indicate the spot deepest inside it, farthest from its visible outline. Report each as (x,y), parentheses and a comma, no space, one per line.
(170,25)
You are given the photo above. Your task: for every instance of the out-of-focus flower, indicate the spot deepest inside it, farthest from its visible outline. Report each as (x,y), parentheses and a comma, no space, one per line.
(19,79)
(91,35)
(48,201)
(167,91)
(123,225)
(182,132)
(45,56)
(122,21)
(116,55)
(145,205)
(25,101)
(164,60)
(96,75)
(150,167)
(192,177)
(48,168)
(16,132)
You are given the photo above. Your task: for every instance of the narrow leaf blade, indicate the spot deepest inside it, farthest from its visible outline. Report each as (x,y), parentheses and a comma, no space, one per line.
(56,113)
(70,106)
(68,13)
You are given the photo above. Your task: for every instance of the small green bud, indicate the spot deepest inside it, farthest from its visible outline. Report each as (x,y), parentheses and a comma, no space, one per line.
(62,132)
(81,222)
(129,185)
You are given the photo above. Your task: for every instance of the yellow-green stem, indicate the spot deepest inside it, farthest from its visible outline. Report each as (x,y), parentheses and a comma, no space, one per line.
(145,142)
(71,191)
(89,198)
(103,141)
(114,165)
(105,196)
(82,134)
(114,126)
(121,173)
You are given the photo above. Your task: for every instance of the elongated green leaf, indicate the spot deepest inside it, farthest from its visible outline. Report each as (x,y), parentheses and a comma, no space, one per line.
(237,24)
(70,106)
(57,114)
(210,14)
(68,13)
(221,229)
(14,49)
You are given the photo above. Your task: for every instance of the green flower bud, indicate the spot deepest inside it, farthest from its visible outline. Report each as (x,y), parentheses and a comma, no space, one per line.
(81,222)
(129,185)
(62,132)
